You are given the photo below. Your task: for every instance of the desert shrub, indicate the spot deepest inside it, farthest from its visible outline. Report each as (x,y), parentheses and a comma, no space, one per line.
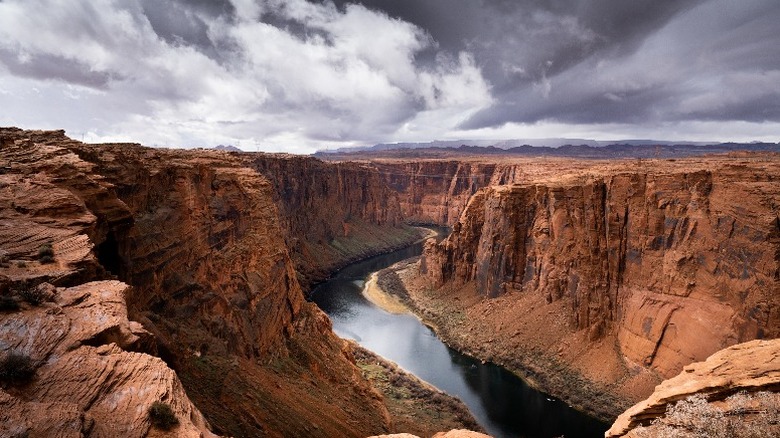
(46,253)
(755,415)
(31,294)
(162,417)
(17,368)
(744,415)
(8,304)
(21,264)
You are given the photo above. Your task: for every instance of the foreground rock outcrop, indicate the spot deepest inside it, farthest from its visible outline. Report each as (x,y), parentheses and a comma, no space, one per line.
(91,374)
(744,369)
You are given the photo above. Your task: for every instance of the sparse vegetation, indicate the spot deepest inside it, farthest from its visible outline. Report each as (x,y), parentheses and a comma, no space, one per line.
(17,368)
(742,415)
(46,253)
(21,264)
(31,294)
(162,417)
(411,399)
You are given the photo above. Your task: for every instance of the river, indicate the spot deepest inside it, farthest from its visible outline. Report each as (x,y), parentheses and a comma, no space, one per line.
(500,401)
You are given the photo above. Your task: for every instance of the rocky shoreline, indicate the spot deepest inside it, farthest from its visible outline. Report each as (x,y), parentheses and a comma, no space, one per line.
(539,370)
(415,406)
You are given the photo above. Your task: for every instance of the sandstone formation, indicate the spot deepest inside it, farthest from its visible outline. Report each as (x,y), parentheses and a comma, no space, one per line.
(621,273)
(595,280)
(93,378)
(333,214)
(752,367)
(436,192)
(455,433)
(201,236)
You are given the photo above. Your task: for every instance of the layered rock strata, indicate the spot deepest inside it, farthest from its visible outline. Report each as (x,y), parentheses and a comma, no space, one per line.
(654,269)
(333,213)
(748,368)
(199,236)
(436,191)
(90,377)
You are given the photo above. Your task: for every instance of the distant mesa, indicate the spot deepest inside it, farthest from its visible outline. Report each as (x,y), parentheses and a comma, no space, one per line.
(552,147)
(227,148)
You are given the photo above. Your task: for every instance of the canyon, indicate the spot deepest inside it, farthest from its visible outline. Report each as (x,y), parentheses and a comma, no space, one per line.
(616,274)
(208,285)
(595,280)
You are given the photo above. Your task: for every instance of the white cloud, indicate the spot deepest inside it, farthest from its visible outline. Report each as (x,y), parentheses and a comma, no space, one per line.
(349,76)
(310,74)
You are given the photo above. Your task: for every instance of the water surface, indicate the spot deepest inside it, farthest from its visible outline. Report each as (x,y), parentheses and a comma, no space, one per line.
(502,403)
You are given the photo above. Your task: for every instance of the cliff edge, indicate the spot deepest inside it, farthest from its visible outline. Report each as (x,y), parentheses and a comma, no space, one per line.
(732,393)
(614,275)
(199,240)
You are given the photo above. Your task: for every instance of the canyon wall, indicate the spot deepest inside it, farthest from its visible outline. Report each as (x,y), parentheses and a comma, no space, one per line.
(437,191)
(333,213)
(672,263)
(58,327)
(571,273)
(198,236)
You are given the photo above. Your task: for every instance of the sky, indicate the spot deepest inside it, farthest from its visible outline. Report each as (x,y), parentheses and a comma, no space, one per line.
(298,76)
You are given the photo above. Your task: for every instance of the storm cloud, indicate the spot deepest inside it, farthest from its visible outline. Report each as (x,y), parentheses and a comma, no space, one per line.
(298,75)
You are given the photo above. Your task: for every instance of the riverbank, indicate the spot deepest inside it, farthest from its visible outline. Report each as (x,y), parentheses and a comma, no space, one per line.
(467,323)
(502,403)
(415,406)
(381,299)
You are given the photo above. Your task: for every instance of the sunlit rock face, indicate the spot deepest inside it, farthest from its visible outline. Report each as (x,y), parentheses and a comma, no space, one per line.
(732,393)
(198,239)
(653,259)
(655,265)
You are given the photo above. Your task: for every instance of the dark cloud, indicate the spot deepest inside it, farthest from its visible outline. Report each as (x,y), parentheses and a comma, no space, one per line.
(643,71)
(53,67)
(330,71)
(214,8)
(523,46)
(541,37)
(184,22)
(278,17)
(765,108)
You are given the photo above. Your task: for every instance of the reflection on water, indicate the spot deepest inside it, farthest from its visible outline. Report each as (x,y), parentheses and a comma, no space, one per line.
(502,403)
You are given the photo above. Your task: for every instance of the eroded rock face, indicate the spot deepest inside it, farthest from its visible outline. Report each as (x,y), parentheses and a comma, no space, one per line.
(668,265)
(752,367)
(199,237)
(436,191)
(332,213)
(652,258)
(89,379)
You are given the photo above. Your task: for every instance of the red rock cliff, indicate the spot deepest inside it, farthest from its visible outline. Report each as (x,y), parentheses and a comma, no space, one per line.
(198,236)
(333,213)
(52,208)
(437,191)
(673,263)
